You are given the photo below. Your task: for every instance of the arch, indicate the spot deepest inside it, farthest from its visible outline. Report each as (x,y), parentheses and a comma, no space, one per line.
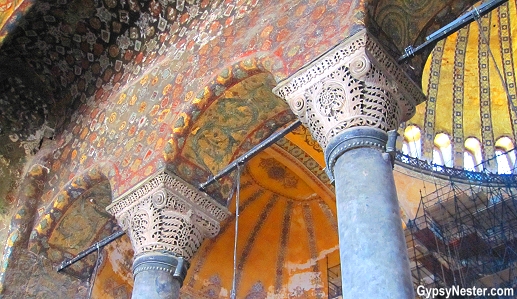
(231,114)
(212,91)
(18,234)
(99,174)
(472,156)
(505,155)
(443,150)
(408,23)
(412,141)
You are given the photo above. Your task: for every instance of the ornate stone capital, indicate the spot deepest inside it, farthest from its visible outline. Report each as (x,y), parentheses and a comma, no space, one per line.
(167,214)
(355,84)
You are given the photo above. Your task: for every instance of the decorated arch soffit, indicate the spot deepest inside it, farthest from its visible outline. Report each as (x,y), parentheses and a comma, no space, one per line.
(228,117)
(76,218)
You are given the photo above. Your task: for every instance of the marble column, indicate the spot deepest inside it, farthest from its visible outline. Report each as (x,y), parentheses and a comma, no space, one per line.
(166,220)
(349,98)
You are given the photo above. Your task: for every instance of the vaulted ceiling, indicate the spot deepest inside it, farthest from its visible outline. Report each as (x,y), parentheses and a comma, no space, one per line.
(143,84)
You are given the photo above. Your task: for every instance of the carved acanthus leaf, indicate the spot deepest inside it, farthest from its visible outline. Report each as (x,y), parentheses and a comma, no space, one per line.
(354,84)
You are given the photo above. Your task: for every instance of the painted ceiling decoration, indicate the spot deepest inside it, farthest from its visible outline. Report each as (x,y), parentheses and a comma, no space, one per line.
(470,83)
(100,94)
(406,23)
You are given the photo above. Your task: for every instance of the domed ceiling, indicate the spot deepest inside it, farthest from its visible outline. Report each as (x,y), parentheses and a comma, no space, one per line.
(470,82)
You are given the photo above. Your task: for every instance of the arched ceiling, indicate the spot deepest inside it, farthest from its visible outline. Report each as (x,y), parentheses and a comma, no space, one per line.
(85,52)
(470,83)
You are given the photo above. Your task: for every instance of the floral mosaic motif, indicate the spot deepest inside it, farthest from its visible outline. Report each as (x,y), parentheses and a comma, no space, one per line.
(85,184)
(279,173)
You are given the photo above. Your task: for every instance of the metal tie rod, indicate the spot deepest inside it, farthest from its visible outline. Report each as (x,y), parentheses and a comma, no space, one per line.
(251,153)
(239,161)
(66,263)
(452,27)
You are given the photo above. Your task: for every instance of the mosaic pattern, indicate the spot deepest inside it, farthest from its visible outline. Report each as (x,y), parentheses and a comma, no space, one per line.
(507,58)
(458,96)
(317,284)
(208,244)
(253,234)
(487,134)
(313,166)
(408,22)
(286,224)
(432,97)
(271,213)
(23,101)
(239,112)
(482,94)
(35,277)
(18,235)
(63,201)
(279,173)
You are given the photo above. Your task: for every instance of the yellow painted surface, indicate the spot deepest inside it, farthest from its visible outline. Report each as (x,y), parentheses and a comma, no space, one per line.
(500,107)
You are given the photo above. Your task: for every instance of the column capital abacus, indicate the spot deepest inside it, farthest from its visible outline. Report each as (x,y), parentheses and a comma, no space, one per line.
(355,84)
(166,214)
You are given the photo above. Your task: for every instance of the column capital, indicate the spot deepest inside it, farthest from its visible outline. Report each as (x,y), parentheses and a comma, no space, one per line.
(167,214)
(355,84)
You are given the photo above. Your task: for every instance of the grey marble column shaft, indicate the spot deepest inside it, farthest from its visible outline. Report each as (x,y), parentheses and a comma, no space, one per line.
(374,262)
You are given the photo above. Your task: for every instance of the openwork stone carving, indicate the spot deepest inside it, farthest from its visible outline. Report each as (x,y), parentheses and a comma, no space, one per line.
(166,213)
(355,84)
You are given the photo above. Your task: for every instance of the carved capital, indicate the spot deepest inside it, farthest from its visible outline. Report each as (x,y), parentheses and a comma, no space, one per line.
(356,84)
(168,214)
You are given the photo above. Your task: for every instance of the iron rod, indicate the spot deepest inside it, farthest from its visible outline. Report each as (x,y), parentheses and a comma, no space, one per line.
(66,263)
(251,153)
(452,27)
(239,161)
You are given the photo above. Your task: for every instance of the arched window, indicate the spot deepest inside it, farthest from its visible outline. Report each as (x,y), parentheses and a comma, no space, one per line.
(472,156)
(505,155)
(442,153)
(412,145)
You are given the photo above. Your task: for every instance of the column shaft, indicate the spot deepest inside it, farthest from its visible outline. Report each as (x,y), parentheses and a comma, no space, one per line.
(373,252)
(155,284)
(158,275)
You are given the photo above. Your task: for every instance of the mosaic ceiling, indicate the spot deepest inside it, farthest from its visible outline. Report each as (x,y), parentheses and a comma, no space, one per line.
(471,86)
(102,93)
(112,75)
